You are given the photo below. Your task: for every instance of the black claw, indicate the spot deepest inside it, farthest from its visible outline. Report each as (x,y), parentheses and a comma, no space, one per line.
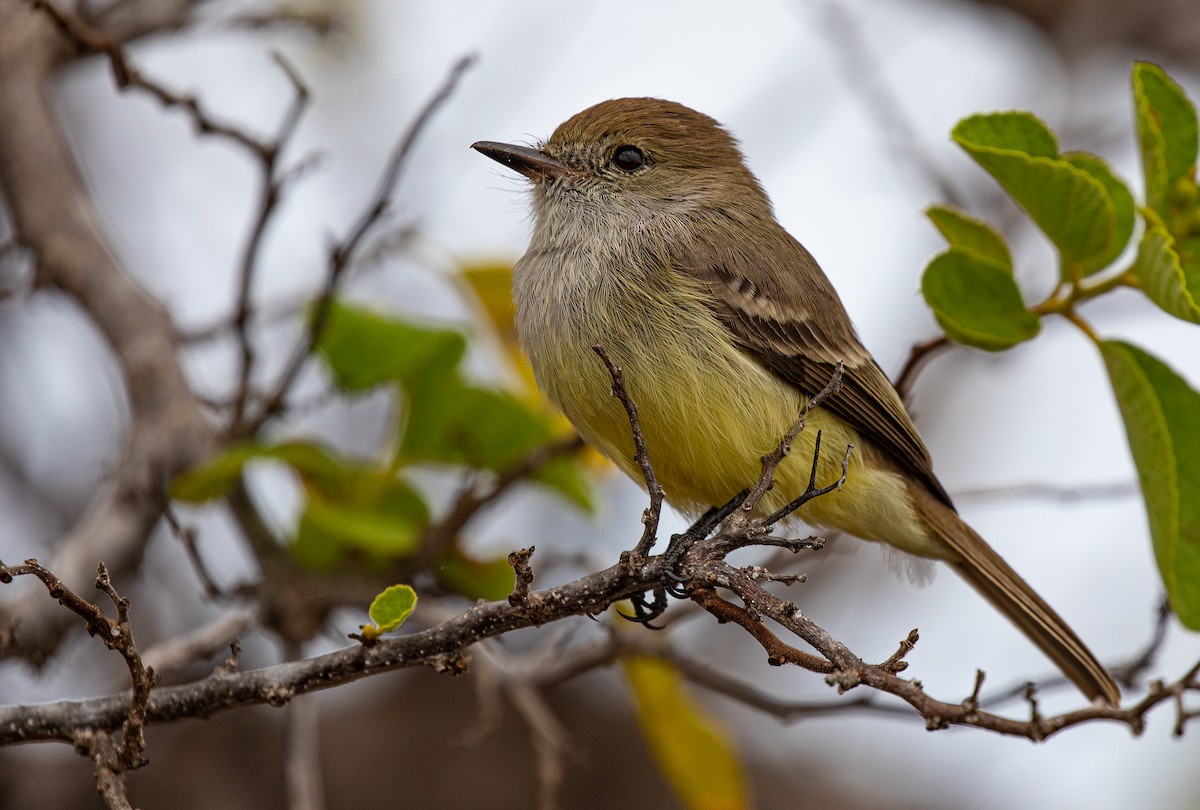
(677,591)
(645,612)
(672,581)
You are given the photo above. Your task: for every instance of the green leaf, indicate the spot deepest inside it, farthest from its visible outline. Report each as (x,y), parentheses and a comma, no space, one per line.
(694,753)
(392,608)
(213,477)
(1017,132)
(364,349)
(445,419)
(450,421)
(382,531)
(475,579)
(977,301)
(316,465)
(1124,208)
(1168,133)
(1163,277)
(1162,421)
(364,509)
(970,235)
(1071,207)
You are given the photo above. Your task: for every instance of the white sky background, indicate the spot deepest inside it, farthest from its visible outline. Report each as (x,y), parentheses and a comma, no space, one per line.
(179,209)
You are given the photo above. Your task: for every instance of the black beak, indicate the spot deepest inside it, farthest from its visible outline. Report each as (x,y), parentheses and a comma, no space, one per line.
(535,165)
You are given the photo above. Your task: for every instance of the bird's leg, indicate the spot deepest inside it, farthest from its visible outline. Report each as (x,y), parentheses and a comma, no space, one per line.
(680,543)
(645,612)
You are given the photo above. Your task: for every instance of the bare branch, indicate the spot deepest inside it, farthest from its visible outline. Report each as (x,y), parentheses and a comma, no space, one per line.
(116,635)
(918,356)
(342,252)
(94,40)
(440,535)
(53,217)
(201,643)
(273,183)
(110,777)
(443,647)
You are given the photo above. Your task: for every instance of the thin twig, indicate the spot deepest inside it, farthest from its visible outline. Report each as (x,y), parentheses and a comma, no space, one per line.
(110,777)
(187,536)
(1046,491)
(116,635)
(1130,673)
(650,518)
(772,460)
(918,356)
(472,499)
(127,76)
(812,491)
(343,251)
(133,740)
(201,643)
(272,185)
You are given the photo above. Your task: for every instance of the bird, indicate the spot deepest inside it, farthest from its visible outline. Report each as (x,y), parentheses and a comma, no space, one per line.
(652,238)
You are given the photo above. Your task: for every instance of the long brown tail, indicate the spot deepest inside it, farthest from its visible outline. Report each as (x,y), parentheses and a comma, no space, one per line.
(987,571)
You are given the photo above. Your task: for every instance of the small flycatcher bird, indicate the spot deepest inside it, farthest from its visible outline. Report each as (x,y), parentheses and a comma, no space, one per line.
(652,238)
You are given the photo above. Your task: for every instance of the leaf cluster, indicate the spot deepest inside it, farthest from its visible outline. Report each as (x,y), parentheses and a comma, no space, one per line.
(369,510)
(1089,215)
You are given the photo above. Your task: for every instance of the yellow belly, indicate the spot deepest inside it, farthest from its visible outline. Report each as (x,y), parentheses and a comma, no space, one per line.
(709,413)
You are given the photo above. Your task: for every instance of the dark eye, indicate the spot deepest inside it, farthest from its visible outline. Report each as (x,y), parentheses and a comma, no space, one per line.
(628,158)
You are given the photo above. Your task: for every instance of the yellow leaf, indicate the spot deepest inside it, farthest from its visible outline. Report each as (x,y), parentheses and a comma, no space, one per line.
(693,751)
(489,286)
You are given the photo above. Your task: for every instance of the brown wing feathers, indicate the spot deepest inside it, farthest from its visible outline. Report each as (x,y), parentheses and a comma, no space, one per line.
(799,330)
(802,339)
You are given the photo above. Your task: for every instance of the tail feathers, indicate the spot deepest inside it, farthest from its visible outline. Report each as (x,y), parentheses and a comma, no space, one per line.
(989,574)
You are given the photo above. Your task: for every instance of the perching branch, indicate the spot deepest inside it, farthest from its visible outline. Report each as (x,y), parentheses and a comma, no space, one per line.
(445,647)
